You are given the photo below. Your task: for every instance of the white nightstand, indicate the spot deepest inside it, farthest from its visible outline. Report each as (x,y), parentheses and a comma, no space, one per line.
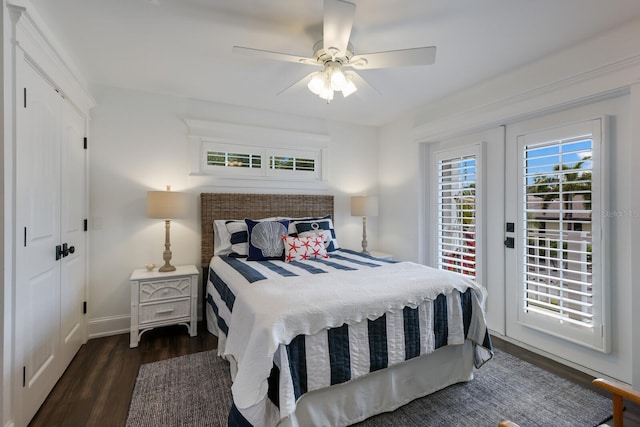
(161,299)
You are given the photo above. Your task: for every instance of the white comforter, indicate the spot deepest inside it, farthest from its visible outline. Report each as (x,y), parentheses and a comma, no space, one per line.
(274,311)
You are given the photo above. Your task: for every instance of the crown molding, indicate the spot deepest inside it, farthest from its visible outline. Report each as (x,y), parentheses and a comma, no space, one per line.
(607,81)
(34,40)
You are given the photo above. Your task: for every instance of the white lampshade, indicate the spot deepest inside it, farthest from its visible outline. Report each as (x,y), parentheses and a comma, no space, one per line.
(327,92)
(166,204)
(316,84)
(338,80)
(364,206)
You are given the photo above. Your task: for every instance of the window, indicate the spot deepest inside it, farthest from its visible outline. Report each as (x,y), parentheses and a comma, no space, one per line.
(237,160)
(226,159)
(292,163)
(237,155)
(561,265)
(457,210)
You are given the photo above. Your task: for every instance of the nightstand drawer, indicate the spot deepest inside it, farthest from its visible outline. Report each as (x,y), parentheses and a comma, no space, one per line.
(161,290)
(164,311)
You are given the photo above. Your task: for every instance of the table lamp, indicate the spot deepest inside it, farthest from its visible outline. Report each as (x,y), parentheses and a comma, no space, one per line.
(364,206)
(166,205)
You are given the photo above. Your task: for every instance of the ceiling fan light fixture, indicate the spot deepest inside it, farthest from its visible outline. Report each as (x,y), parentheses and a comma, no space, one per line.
(338,79)
(317,83)
(327,92)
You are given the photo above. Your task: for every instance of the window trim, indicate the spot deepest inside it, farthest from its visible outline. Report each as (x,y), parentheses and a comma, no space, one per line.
(599,336)
(205,136)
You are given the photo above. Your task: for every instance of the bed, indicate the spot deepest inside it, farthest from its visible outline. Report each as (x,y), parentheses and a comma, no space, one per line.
(327,337)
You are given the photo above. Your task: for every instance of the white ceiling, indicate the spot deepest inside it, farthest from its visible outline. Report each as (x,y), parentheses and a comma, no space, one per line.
(183,47)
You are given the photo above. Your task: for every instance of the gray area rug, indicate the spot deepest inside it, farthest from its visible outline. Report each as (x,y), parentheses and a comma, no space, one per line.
(194,390)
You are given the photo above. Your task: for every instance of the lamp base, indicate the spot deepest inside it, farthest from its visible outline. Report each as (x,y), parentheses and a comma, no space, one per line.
(364,236)
(166,268)
(166,255)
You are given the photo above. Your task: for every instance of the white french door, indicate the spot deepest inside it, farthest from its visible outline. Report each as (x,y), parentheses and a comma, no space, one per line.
(72,215)
(50,207)
(466,184)
(557,286)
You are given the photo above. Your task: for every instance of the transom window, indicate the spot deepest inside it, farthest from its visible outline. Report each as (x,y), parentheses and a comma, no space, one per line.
(292,163)
(241,156)
(226,159)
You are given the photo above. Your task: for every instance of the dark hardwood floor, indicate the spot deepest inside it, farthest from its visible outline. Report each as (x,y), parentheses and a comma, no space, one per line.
(96,388)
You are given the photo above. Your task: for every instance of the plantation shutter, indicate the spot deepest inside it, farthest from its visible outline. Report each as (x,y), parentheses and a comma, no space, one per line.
(457,218)
(560,235)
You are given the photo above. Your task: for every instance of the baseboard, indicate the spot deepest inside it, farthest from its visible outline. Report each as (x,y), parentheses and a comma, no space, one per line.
(107,326)
(552,356)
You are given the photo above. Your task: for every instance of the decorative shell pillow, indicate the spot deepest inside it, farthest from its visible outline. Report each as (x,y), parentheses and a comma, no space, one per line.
(303,248)
(265,239)
(231,236)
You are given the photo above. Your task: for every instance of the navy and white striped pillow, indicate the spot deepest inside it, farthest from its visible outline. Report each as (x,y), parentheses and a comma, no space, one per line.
(322,225)
(231,237)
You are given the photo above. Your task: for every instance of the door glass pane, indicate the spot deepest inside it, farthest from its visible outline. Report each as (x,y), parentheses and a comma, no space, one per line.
(557,230)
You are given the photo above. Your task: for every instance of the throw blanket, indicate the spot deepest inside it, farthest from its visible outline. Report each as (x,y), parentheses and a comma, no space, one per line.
(273,312)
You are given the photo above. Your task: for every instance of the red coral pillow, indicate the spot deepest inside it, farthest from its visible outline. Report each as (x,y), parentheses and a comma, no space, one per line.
(303,248)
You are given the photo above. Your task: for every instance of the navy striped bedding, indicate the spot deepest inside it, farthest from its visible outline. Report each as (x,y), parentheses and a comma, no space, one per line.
(340,354)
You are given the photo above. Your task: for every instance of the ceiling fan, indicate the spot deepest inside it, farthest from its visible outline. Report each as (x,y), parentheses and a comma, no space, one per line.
(335,55)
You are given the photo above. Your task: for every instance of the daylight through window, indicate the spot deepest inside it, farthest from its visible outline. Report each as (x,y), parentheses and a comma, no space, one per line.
(558,235)
(457,219)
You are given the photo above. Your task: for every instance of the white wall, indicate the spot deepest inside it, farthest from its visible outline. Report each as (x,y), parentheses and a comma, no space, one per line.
(139,142)
(560,82)
(5,290)
(401,203)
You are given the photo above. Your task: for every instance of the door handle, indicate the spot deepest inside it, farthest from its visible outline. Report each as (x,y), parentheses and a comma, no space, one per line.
(509,242)
(64,250)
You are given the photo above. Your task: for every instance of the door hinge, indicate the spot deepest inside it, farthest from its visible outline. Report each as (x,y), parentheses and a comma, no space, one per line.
(24,376)
(84,307)
(85,143)
(25,97)
(25,237)
(86,224)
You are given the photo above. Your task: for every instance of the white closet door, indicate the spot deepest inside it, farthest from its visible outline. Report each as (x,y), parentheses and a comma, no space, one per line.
(38,233)
(72,215)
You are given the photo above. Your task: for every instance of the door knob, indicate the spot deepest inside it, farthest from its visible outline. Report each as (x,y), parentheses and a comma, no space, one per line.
(72,249)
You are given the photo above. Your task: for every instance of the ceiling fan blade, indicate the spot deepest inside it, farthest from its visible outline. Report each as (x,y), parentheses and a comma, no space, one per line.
(302,82)
(394,58)
(338,21)
(362,85)
(275,56)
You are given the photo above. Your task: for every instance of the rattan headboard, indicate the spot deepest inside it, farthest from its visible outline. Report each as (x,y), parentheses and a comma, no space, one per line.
(239,206)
